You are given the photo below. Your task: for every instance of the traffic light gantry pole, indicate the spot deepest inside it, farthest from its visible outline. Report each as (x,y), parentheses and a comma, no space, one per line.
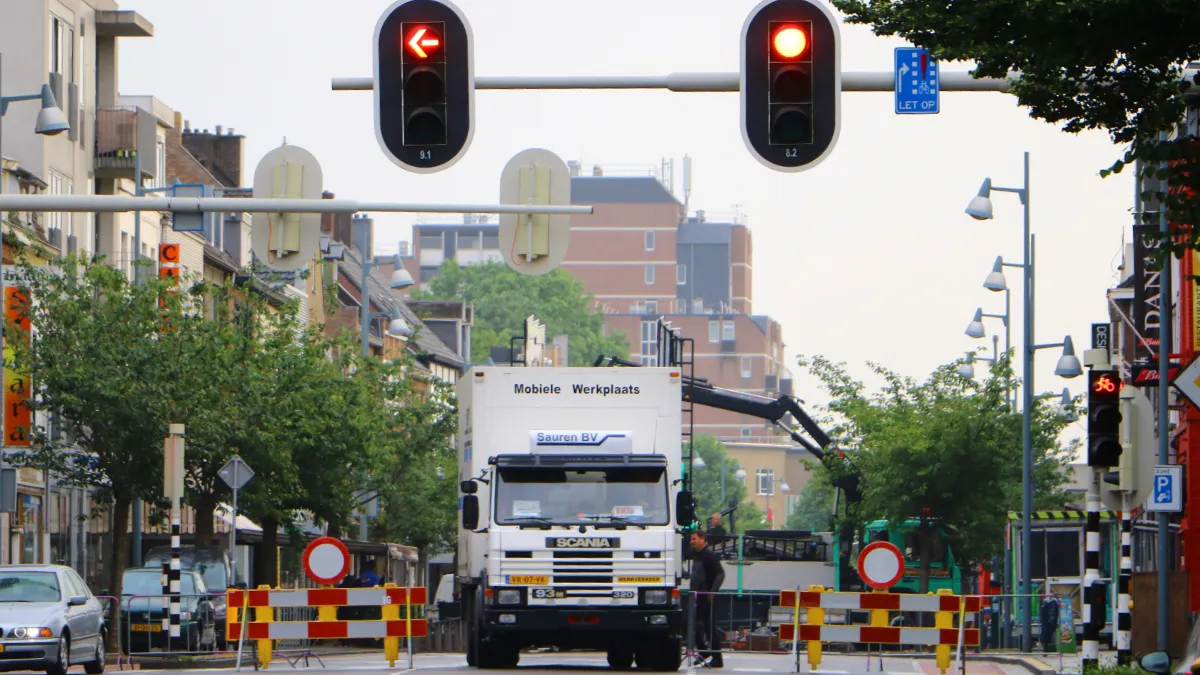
(860,81)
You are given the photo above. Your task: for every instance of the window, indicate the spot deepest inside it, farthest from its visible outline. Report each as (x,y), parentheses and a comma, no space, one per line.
(58,184)
(649,350)
(649,274)
(714,331)
(160,163)
(429,273)
(62,53)
(431,240)
(652,307)
(766,482)
(491,241)
(746,431)
(727,331)
(681,274)
(468,241)
(649,241)
(747,367)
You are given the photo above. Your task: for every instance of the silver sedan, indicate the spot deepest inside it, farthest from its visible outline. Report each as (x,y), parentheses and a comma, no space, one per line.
(49,620)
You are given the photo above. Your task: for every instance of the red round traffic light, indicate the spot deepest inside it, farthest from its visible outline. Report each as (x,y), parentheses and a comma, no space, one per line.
(789,42)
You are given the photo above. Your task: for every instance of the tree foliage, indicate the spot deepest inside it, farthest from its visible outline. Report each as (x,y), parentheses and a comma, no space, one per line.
(706,486)
(813,510)
(115,362)
(1111,65)
(503,298)
(945,452)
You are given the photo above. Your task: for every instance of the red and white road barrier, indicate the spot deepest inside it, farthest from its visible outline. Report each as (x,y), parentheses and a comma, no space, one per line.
(899,602)
(329,630)
(888,635)
(329,597)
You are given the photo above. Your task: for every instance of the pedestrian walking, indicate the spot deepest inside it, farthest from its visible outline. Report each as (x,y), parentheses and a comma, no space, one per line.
(707,577)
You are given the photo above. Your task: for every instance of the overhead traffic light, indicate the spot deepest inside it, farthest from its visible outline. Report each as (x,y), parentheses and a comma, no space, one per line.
(424,84)
(1104,418)
(791,83)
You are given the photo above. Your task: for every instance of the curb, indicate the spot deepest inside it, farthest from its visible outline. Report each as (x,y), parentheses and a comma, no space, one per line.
(1003,660)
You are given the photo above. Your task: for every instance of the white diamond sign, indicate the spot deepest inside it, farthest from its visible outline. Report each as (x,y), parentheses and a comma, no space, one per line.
(236,473)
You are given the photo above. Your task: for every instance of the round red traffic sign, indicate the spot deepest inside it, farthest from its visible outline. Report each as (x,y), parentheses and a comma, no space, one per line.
(326,560)
(881,565)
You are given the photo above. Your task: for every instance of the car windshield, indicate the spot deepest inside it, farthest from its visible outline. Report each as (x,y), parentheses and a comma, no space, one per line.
(29,587)
(149,582)
(211,567)
(594,495)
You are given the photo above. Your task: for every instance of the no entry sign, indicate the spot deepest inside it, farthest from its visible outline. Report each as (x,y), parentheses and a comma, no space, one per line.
(326,560)
(881,565)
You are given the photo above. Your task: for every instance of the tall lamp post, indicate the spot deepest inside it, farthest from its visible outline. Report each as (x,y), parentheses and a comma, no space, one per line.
(740,474)
(397,327)
(1068,366)
(783,487)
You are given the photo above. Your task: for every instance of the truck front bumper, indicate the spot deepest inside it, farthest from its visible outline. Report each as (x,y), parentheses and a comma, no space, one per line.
(584,620)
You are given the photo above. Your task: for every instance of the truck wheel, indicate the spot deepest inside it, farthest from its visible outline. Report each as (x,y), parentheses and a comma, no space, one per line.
(620,658)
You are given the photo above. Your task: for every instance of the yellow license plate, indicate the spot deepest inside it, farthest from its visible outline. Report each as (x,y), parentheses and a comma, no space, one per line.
(1,649)
(525,580)
(145,627)
(639,580)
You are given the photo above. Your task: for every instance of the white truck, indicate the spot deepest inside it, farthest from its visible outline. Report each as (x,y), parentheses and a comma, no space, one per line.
(572,499)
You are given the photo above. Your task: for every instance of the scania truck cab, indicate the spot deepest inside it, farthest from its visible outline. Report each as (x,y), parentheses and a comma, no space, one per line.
(571,481)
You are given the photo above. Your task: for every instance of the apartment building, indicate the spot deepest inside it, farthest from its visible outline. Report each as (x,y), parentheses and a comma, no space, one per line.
(644,258)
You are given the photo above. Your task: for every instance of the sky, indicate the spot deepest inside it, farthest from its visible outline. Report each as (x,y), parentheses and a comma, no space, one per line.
(867,257)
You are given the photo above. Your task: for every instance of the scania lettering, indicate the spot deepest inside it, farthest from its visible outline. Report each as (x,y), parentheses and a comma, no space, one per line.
(570,512)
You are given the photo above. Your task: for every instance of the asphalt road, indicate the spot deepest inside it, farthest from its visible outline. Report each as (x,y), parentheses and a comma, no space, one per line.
(754,664)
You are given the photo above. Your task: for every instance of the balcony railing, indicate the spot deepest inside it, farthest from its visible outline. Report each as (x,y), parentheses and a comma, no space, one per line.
(122,135)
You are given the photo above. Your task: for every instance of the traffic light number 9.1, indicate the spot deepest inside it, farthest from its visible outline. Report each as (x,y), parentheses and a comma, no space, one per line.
(426,154)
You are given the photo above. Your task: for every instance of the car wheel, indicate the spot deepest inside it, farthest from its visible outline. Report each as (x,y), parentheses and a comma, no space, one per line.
(96,667)
(64,657)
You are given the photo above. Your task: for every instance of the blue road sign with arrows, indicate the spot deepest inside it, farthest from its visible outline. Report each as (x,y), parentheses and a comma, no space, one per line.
(917,86)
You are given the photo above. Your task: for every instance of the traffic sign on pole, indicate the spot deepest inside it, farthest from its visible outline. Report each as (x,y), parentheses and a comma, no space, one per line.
(1188,382)
(326,561)
(535,244)
(1167,494)
(918,87)
(236,473)
(881,565)
(286,241)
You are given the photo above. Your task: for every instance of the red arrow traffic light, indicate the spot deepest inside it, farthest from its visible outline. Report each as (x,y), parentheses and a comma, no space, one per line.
(421,41)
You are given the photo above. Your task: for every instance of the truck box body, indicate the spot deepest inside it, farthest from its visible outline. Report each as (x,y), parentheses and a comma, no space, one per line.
(576,473)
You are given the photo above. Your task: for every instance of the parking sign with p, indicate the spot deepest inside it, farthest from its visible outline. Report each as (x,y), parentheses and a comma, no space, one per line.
(1167,492)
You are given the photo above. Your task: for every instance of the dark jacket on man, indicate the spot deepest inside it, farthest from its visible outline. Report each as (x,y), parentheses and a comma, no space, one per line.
(707,572)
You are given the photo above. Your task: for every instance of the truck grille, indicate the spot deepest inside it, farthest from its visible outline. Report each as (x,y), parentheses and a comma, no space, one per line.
(580,568)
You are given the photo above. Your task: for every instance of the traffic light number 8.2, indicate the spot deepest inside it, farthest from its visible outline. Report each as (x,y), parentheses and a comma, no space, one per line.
(791,153)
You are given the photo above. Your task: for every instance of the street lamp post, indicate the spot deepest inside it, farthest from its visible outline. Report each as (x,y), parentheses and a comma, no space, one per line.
(1068,366)
(397,326)
(740,474)
(783,487)
(50,120)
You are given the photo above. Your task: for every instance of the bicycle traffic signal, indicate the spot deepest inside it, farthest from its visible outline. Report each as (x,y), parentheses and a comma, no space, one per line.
(1104,418)
(791,83)
(424,84)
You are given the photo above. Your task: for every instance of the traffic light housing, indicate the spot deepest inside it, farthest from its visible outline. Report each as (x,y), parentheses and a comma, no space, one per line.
(791,83)
(1104,418)
(424,84)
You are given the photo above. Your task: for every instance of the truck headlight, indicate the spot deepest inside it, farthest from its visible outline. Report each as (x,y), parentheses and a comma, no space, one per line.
(656,597)
(509,597)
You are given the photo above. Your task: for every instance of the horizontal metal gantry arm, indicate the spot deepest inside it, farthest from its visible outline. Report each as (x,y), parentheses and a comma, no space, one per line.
(120,204)
(693,82)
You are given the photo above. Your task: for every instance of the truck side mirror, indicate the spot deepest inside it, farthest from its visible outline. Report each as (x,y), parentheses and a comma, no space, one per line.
(470,512)
(468,487)
(685,508)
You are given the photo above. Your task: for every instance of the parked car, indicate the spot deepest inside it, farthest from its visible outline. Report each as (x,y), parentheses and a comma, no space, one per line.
(215,567)
(50,620)
(142,612)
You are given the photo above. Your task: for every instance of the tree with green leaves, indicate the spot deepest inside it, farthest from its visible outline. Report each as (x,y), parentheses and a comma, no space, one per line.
(706,486)
(107,367)
(813,510)
(1113,65)
(945,452)
(503,298)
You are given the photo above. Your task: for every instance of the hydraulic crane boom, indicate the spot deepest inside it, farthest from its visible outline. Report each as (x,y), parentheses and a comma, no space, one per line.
(700,392)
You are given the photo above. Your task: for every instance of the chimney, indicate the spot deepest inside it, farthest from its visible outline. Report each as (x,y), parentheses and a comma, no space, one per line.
(403,249)
(700,215)
(231,131)
(573,167)
(218,128)
(362,233)
(597,170)
(187,126)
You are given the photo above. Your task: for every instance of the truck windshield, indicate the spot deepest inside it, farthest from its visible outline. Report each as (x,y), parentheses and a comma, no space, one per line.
(633,494)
